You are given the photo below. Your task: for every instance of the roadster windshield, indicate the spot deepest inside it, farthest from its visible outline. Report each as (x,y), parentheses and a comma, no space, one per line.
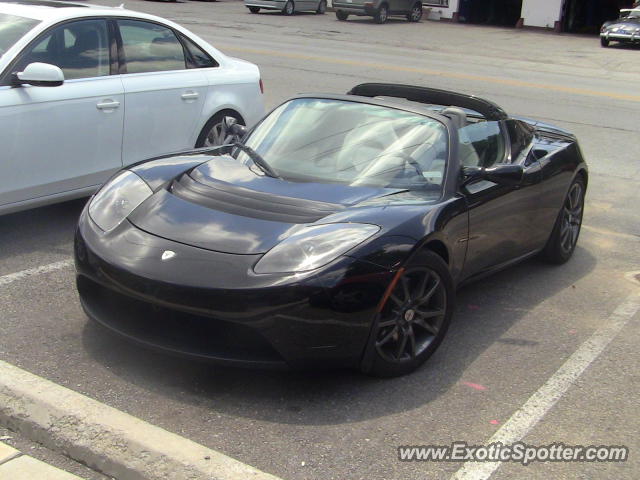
(12,28)
(335,141)
(628,14)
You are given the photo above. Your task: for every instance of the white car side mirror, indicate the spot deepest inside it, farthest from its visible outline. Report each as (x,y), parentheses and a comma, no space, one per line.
(40,75)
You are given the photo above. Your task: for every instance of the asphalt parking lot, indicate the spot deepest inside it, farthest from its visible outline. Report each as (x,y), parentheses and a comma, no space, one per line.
(510,334)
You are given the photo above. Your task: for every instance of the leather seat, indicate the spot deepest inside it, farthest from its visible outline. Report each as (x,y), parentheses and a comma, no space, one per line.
(85,57)
(363,145)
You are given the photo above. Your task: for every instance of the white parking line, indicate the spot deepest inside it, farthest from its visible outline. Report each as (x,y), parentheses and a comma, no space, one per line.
(523,420)
(52,267)
(633,277)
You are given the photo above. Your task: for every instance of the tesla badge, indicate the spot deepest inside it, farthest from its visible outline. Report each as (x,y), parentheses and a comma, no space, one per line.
(168,255)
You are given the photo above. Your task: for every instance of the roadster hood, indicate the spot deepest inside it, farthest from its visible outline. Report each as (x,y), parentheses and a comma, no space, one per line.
(225,206)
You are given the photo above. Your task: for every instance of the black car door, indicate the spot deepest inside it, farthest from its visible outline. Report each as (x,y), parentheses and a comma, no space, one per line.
(396,6)
(502,219)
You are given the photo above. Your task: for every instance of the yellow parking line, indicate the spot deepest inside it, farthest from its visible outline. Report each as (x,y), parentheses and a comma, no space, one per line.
(610,233)
(439,73)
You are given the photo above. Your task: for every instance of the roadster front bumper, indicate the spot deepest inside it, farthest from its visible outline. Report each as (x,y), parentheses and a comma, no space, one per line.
(211,305)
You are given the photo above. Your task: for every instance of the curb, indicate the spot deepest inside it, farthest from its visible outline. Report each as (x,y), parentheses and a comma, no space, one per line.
(105,439)
(24,467)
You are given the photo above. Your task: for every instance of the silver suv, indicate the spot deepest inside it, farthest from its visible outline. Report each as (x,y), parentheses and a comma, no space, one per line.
(380,10)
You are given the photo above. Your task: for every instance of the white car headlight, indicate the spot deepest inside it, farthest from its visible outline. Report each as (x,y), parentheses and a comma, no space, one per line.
(314,246)
(117,199)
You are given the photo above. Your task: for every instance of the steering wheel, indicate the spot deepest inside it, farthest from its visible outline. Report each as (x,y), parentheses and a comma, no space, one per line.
(408,160)
(370,142)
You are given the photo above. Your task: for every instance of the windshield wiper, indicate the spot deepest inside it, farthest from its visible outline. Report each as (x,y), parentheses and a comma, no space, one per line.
(257,160)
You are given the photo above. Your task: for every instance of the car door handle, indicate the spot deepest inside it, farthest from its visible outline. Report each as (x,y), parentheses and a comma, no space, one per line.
(107,105)
(189,95)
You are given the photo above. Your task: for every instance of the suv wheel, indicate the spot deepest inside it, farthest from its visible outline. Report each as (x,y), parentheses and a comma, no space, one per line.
(289,8)
(342,16)
(382,14)
(416,12)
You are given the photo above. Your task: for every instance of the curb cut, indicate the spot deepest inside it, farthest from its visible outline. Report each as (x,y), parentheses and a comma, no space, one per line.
(633,277)
(106,439)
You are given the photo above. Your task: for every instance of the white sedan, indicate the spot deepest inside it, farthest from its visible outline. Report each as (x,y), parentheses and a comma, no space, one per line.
(86,90)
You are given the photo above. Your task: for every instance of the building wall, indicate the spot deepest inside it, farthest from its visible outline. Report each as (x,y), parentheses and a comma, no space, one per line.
(536,13)
(444,12)
(541,13)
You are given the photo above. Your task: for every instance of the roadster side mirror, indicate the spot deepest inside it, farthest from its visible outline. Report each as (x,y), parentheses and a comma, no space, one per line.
(502,174)
(238,130)
(233,128)
(229,122)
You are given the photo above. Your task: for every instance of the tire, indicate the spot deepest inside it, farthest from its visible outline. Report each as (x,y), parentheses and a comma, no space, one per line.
(416,13)
(566,230)
(342,16)
(254,9)
(206,138)
(322,7)
(391,352)
(381,14)
(604,42)
(289,8)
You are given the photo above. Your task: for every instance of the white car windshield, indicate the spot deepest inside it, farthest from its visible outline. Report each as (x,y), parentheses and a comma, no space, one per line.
(12,28)
(336,141)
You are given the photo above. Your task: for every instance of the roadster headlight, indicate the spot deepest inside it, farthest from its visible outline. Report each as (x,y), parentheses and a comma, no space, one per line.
(313,247)
(117,199)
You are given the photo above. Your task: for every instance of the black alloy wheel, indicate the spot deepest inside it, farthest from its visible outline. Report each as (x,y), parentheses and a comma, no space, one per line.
(566,230)
(414,319)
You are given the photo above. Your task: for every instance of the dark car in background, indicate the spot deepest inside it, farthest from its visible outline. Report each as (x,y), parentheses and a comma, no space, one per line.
(625,29)
(334,234)
(380,10)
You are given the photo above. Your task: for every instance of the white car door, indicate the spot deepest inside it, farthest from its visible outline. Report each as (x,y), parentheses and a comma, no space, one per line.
(164,97)
(59,139)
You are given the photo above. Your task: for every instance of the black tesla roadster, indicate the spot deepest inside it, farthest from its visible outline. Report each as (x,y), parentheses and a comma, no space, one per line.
(333,233)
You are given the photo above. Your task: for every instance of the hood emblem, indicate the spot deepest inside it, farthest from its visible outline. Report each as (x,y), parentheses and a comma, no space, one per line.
(168,255)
